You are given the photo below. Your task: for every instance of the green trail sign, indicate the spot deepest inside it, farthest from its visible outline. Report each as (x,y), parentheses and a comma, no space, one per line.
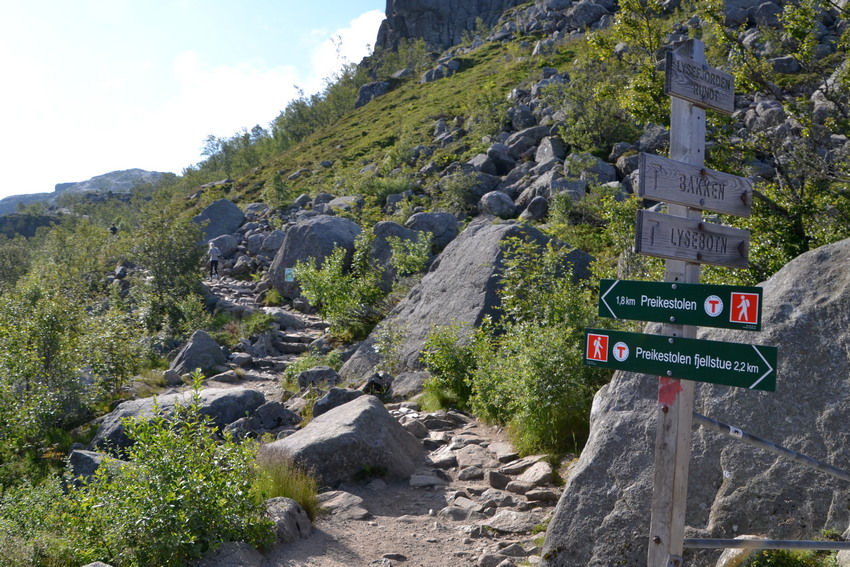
(730,364)
(725,306)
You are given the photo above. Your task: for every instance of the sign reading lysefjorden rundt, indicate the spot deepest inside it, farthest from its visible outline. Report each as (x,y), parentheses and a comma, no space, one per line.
(704,305)
(730,364)
(699,84)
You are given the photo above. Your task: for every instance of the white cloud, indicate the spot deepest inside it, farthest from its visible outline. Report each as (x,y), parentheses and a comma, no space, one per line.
(345,45)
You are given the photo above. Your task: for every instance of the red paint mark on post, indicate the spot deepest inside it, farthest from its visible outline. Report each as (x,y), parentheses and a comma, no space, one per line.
(668,390)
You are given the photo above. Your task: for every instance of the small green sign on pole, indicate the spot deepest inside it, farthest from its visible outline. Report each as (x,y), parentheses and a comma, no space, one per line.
(723,306)
(715,362)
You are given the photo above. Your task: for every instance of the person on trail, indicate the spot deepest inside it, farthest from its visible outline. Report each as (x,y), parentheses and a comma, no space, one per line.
(214,254)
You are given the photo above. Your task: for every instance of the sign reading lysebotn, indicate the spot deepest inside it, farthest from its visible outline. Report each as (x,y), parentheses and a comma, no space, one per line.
(716,362)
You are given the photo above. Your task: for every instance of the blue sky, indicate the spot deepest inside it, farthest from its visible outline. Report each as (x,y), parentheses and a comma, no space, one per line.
(93,86)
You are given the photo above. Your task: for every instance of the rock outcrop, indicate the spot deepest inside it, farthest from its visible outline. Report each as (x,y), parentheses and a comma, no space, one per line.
(441,23)
(734,488)
(461,287)
(355,438)
(312,239)
(224,406)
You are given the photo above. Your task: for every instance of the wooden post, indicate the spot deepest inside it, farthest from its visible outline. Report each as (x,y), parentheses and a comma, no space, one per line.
(676,397)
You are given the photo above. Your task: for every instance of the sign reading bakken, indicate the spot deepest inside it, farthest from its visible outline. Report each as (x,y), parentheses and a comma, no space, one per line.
(699,84)
(723,306)
(730,364)
(691,240)
(672,181)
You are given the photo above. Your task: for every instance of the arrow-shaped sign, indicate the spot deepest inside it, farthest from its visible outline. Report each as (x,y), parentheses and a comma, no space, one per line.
(704,305)
(716,362)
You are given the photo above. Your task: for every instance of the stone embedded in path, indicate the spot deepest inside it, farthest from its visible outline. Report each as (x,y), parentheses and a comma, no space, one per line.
(291,521)
(514,522)
(343,505)
(350,439)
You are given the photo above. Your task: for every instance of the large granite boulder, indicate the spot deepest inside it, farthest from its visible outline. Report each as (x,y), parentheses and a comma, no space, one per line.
(219,217)
(314,238)
(442,225)
(223,406)
(460,287)
(357,437)
(603,516)
(201,351)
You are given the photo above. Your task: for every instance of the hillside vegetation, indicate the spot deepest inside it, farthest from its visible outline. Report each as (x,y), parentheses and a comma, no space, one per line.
(77,340)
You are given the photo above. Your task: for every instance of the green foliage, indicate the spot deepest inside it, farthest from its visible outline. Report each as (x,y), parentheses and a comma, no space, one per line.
(40,386)
(449,354)
(411,54)
(30,520)
(182,494)
(595,119)
(410,256)
(488,107)
(639,27)
(535,381)
(379,188)
(276,193)
(166,245)
(113,350)
(15,260)
(257,323)
(284,478)
(784,558)
(453,193)
(348,298)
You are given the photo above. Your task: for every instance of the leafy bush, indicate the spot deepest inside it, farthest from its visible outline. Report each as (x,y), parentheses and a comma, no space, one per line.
(410,256)
(535,381)
(181,494)
(449,354)
(349,299)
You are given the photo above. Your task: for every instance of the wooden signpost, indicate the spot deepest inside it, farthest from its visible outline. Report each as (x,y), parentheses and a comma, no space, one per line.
(663,179)
(694,81)
(691,240)
(687,241)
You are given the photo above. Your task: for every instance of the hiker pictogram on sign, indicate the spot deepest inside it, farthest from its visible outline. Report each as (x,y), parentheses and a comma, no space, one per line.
(744,308)
(597,347)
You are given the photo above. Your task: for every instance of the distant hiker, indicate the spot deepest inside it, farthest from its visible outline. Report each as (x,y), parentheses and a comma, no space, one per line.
(214,254)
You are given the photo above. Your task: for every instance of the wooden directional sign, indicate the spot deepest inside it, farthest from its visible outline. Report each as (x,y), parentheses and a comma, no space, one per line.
(730,364)
(672,181)
(699,84)
(692,240)
(724,306)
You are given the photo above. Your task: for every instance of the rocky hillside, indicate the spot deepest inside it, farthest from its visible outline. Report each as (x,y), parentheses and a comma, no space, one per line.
(521,132)
(118,182)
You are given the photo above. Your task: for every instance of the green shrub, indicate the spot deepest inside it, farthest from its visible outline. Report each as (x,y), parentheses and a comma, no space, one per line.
(410,256)
(284,478)
(181,494)
(257,323)
(30,526)
(449,354)
(349,299)
(785,558)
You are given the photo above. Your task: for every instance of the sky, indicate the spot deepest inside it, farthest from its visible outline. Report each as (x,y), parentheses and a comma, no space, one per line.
(93,86)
